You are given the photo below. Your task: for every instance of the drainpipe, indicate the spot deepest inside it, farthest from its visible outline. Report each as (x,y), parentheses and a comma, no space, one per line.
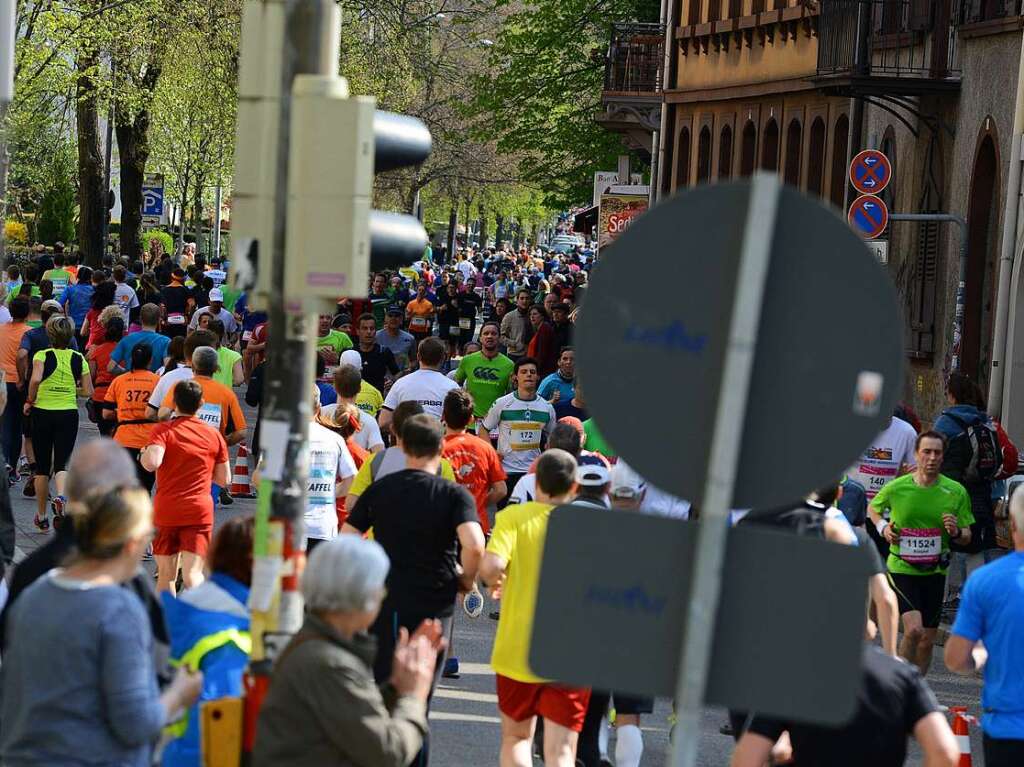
(668,18)
(1007,253)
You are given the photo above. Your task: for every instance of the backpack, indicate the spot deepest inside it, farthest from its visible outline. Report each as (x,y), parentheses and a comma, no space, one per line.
(980,443)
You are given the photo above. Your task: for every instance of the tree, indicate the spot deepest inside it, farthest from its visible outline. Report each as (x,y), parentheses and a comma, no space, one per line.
(541,90)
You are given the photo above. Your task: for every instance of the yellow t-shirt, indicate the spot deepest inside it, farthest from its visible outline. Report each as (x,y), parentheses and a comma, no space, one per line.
(518,538)
(364,478)
(369,399)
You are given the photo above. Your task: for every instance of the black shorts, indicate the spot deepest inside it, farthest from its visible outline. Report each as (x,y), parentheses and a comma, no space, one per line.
(921,593)
(631,705)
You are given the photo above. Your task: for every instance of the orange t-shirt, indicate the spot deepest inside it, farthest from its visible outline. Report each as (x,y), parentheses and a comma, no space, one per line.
(100,354)
(220,406)
(183,481)
(131,393)
(477,466)
(420,312)
(10,342)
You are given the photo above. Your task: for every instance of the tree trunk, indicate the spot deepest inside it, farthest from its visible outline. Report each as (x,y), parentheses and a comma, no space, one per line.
(133,148)
(197,214)
(482,211)
(92,200)
(499,230)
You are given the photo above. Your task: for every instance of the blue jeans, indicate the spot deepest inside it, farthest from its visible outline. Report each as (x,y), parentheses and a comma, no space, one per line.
(958,566)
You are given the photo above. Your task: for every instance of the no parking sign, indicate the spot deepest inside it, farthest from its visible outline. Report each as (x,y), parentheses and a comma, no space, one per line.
(869,216)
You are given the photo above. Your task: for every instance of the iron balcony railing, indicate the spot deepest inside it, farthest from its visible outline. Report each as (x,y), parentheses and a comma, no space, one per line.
(974,11)
(635,58)
(891,38)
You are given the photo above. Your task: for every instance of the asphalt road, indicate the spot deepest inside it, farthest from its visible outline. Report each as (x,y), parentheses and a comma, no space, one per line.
(465,728)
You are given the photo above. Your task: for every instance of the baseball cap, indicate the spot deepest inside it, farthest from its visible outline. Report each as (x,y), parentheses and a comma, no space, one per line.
(592,476)
(51,305)
(351,357)
(216,295)
(626,483)
(394,311)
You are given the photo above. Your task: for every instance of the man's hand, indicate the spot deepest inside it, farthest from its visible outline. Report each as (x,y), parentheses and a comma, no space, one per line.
(556,395)
(891,534)
(949,523)
(328,355)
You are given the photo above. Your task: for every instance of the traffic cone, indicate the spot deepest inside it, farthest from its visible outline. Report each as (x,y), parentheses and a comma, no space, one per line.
(240,485)
(961,731)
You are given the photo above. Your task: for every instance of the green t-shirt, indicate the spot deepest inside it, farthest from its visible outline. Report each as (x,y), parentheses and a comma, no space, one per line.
(226,359)
(336,340)
(595,442)
(60,280)
(230,296)
(485,379)
(916,514)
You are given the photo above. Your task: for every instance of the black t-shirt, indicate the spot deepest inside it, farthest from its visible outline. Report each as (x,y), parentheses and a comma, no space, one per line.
(414,516)
(176,298)
(377,363)
(892,699)
(469,302)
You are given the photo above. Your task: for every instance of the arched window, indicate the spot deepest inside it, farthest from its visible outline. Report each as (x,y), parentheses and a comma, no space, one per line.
(794,146)
(683,160)
(704,155)
(770,146)
(748,152)
(816,158)
(725,154)
(840,148)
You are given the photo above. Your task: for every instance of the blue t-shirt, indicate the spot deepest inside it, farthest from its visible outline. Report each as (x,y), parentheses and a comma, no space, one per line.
(328,396)
(123,351)
(555,381)
(77,302)
(854,503)
(992,610)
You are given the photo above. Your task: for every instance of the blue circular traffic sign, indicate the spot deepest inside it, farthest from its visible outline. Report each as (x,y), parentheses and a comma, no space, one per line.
(869,216)
(870,172)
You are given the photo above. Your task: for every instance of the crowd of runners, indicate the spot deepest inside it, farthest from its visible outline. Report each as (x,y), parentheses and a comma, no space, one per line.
(447,423)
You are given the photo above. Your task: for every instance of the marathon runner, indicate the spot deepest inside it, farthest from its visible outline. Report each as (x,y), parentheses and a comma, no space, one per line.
(428,385)
(485,374)
(331,471)
(926,512)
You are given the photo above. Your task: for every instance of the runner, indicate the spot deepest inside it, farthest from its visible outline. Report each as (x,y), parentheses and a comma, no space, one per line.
(397,341)
(523,421)
(428,385)
(149,317)
(516,330)
(11,335)
(229,362)
(129,394)
(177,305)
(369,399)
(476,464)
(216,309)
(220,406)
(927,512)
(512,563)
(378,363)
(348,382)
(188,456)
(331,471)
(419,313)
(560,385)
(330,343)
(890,454)
(169,379)
(124,294)
(485,374)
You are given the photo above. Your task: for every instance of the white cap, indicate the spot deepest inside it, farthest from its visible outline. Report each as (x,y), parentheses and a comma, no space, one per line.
(216,295)
(351,357)
(626,483)
(592,475)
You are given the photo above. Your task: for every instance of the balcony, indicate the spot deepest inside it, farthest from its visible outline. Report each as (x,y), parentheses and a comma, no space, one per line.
(890,48)
(631,98)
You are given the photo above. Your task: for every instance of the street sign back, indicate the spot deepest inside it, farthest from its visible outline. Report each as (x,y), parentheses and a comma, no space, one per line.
(869,216)
(604,575)
(828,362)
(870,172)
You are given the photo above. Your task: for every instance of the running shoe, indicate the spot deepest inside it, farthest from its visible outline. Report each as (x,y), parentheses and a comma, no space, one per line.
(12,476)
(451,669)
(225,497)
(58,503)
(24,467)
(42,525)
(29,491)
(473,603)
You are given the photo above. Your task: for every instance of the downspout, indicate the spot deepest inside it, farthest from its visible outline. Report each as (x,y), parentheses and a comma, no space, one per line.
(668,18)
(1008,252)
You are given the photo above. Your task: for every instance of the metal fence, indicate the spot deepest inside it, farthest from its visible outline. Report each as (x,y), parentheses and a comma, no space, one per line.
(635,58)
(892,38)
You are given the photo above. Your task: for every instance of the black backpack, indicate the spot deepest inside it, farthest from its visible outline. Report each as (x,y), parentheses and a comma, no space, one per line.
(975,453)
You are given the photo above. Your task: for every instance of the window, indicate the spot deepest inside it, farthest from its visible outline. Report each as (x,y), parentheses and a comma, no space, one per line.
(888,148)
(725,154)
(816,159)
(794,145)
(749,150)
(840,148)
(693,17)
(735,9)
(714,10)
(704,155)
(770,146)
(683,160)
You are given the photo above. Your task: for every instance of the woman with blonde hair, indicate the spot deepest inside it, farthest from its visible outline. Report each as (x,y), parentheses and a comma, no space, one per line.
(52,406)
(89,694)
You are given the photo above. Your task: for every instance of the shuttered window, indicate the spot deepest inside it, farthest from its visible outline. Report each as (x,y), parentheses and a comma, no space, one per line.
(923,291)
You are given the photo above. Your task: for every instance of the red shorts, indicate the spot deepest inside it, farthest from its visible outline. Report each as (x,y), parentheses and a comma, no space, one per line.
(173,539)
(520,701)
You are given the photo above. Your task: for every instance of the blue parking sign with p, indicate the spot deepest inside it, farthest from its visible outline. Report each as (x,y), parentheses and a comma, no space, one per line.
(153,196)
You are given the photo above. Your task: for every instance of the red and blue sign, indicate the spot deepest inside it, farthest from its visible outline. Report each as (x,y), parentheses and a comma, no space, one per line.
(870,172)
(869,216)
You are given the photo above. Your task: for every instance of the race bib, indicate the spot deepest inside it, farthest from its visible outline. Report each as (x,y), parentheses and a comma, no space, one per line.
(418,323)
(210,413)
(465,323)
(175,319)
(454,330)
(921,546)
(524,435)
(874,476)
(247,335)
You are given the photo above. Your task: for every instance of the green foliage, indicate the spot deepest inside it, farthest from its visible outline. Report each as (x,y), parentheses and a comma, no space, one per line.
(56,218)
(165,240)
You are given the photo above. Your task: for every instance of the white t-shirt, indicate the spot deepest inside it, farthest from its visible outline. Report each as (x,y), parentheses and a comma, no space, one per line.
(525,489)
(521,424)
(167,382)
(217,275)
(466,268)
(329,461)
(5,315)
(368,437)
(428,387)
(882,459)
(126,300)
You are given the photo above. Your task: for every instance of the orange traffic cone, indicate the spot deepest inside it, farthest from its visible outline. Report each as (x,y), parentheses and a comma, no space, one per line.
(961,731)
(240,485)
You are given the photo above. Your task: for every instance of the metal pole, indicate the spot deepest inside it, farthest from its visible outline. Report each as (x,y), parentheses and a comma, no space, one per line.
(755,258)
(958,314)
(108,158)
(311,46)
(6,97)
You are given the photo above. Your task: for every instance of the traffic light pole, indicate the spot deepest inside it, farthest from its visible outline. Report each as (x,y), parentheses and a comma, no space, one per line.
(6,96)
